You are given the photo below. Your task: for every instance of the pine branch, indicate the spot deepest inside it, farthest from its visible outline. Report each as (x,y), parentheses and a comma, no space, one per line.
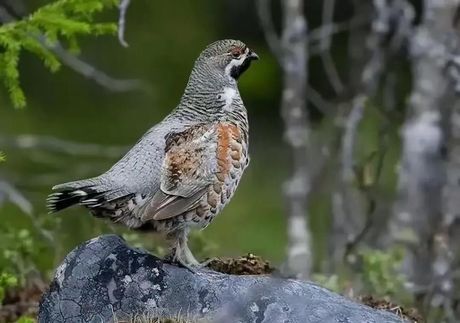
(62,20)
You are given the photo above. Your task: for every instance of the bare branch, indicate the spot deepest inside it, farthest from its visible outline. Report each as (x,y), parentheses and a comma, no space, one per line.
(348,142)
(82,67)
(325,47)
(60,146)
(453,71)
(317,34)
(346,201)
(11,10)
(124,4)
(404,13)
(9,193)
(370,79)
(389,92)
(265,18)
(318,101)
(353,199)
(92,73)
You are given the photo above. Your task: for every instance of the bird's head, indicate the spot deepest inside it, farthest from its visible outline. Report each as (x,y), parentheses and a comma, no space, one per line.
(229,58)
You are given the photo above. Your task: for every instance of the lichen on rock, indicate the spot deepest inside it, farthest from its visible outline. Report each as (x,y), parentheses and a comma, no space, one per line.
(105,280)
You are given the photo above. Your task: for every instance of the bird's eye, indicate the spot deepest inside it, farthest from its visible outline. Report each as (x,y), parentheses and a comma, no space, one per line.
(235,52)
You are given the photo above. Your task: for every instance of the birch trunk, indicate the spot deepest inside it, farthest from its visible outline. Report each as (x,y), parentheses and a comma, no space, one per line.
(419,217)
(294,112)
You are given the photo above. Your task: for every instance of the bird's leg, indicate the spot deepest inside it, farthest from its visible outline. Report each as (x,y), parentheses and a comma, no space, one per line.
(186,254)
(180,253)
(174,251)
(189,255)
(191,259)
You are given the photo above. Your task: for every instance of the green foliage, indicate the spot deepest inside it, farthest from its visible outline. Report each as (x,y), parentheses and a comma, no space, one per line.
(18,247)
(133,239)
(6,281)
(26,319)
(333,282)
(144,242)
(62,20)
(380,273)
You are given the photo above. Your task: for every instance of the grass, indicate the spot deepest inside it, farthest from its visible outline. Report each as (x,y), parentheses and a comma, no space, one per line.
(153,317)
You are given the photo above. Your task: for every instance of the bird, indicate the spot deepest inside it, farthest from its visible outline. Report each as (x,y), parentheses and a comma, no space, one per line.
(186,168)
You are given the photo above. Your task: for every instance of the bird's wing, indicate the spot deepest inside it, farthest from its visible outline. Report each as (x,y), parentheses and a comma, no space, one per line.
(188,169)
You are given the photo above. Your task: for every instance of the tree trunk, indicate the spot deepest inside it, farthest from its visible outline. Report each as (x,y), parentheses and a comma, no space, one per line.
(294,113)
(419,214)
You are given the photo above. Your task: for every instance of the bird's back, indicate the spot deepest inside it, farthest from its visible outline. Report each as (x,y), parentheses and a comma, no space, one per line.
(139,170)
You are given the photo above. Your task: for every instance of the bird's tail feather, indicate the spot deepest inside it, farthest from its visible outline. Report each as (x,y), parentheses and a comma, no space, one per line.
(90,182)
(68,197)
(92,193)
(84,192)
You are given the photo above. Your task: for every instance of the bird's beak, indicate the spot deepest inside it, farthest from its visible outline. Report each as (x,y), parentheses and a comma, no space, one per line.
(252,55)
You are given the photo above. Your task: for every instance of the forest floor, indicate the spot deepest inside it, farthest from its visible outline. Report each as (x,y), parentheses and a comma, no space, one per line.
(22,302)
(409,314)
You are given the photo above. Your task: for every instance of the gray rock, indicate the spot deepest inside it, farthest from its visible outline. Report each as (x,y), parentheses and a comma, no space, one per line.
(104,280)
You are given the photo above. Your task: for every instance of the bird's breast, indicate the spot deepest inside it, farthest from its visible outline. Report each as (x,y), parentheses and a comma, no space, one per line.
(232,159)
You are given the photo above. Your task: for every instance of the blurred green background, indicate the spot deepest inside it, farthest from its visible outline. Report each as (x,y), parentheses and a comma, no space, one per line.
(165,37)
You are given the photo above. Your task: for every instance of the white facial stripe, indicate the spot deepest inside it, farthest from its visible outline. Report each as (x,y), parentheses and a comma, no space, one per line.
(234,62)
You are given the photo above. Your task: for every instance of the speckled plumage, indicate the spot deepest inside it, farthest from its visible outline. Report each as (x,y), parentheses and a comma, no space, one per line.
(185,169)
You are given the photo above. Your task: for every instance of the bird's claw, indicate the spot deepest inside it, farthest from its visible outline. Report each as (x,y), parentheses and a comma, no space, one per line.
(174,260)
(206,262)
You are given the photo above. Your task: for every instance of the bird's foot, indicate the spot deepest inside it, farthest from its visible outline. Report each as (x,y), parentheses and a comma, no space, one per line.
(190,267)
(181,263)
(207,262)
(174,258)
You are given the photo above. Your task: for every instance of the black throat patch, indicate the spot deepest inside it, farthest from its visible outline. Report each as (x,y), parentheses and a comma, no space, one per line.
(236,71)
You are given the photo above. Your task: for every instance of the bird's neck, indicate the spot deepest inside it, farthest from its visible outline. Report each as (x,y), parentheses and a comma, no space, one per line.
(209,98)
(207,84)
